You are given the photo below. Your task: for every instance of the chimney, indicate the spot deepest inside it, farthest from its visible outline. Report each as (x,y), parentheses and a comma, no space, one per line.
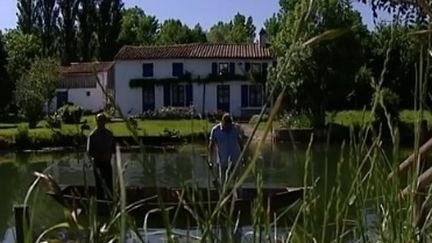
(263,37)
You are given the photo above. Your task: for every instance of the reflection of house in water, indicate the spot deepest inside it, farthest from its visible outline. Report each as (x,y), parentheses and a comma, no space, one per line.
(71,170)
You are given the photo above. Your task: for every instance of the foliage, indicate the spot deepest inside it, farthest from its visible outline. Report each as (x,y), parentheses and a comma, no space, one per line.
(54,120)
(170,113)
(404,53)
(36,87)
(21,49)
(71,114)
(238,30)
(22,138)
(47,13)
(387,104)
(109,27)
(137,28)
(295,120)
(321,75)
(69,11)
(86,28)
(26,16)
(6,86)
(173,31)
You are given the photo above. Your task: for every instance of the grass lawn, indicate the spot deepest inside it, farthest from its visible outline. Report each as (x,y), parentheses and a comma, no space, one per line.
(145,127)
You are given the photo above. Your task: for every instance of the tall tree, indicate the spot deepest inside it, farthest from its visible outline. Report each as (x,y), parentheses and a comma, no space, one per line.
(197,34)
(26,16)
(238,30)
(173,32)
(220,33)
(22,49)
(272,27)
(36,87)
(47,18)
(86,29)
(321,75)
(6,87)
(109,27)
(68,38)
(137,28)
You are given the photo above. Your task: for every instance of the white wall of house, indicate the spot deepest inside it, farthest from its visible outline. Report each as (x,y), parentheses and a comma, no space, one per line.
(130,99)
(93,99)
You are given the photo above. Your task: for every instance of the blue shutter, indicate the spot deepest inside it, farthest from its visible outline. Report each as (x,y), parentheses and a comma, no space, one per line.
(244,95)
(167,95)
(247,66)
(232,68)
(214,68)
(189,94)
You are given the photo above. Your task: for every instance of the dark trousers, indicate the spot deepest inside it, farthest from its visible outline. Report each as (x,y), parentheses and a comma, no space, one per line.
(103,179)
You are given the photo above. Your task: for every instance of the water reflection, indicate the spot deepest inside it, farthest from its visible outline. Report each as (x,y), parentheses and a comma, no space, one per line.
(281,165)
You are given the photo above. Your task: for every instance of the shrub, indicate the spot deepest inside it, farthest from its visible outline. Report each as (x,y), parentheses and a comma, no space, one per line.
(295,120)
(388,99)
(71,114)
(54,120)
(171,113)
(22,139)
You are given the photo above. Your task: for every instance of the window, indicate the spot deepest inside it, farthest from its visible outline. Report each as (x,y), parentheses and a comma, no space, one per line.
(178,95)
(256,68)
(148,70)
(252,95)
(223,68)
(177,69)
(88,93)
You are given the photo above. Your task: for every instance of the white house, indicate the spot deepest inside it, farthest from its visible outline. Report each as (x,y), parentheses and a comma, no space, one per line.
(85,84)
(211,77)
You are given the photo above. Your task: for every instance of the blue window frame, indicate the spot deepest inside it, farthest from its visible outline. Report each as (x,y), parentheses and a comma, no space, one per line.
(177,69)
(147,70)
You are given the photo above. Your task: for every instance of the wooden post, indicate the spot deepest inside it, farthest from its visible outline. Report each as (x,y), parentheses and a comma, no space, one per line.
(21,213)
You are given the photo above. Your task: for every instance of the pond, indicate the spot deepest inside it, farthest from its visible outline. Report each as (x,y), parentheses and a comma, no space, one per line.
(281,165)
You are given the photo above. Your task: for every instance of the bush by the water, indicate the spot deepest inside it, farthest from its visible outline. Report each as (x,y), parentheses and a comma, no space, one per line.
(387,101)
(170,113)
(22,138)
(295,120)
(54,120)
(71,114)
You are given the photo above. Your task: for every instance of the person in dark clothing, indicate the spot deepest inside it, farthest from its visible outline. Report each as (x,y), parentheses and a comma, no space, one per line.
(100,147)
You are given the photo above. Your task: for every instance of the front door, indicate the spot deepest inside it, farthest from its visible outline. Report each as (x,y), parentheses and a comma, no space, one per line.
(62,98)
(223,98)
(148,98)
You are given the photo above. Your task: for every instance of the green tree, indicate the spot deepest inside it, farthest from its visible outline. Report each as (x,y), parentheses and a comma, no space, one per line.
(47,14)
(36,88)
(68,38)
(21,50)
(26,16)
(272,27)
(108,28)
(173,31)
(137,28)
(220,33)
(197,34)
(6,88)
(238,30)
(86,29)
(323,74)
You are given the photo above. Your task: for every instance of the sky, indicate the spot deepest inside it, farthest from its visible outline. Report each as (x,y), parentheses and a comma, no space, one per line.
(191,12)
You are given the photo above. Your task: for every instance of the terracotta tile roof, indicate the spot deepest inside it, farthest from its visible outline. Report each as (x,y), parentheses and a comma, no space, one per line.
(87,67)
(195,50)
